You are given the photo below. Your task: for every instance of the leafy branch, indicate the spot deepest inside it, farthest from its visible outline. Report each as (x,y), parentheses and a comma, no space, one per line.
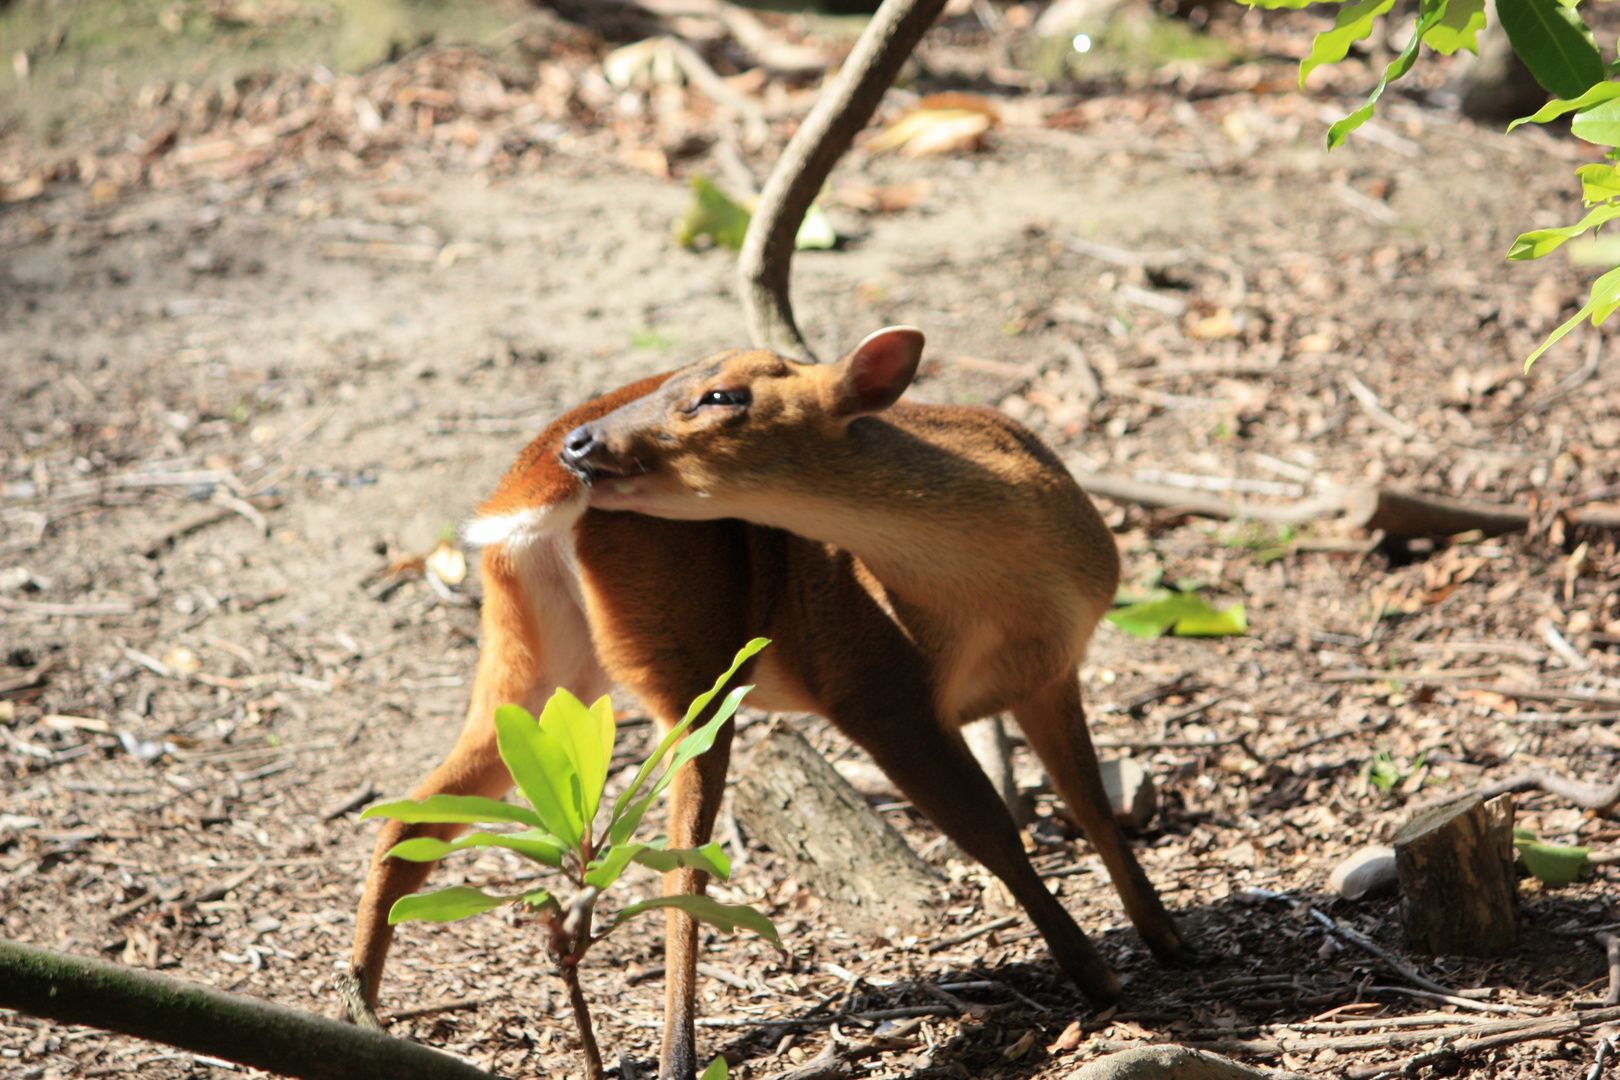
(1559,48)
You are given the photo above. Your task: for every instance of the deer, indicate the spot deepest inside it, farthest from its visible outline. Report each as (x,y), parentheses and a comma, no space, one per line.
(916,566)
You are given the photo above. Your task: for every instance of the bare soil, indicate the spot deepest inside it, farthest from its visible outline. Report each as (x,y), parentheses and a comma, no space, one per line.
(251,357)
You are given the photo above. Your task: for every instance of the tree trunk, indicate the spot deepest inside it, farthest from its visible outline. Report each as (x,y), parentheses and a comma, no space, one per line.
(76,990)
(766,263)
(795,803)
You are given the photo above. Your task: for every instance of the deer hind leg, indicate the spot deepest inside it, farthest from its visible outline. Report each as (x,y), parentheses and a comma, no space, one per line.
(1054,723)
(932,765)
(521,662)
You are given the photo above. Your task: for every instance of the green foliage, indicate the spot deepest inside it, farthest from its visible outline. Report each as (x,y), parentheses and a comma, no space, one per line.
(1558,47)
(1265,543)
(560,764)
(1185,614)
(1554,44)
(1555,865)
(1382,772)
(723,220)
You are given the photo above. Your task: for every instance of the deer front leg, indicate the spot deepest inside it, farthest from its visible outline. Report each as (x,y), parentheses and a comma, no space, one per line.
(522,662)
(474,767)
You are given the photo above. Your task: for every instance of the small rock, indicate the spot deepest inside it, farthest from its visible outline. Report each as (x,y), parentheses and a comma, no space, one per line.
(1130,792)
(1369,872)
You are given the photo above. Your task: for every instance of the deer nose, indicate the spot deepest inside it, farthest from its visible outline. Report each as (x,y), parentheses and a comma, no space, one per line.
(579,443)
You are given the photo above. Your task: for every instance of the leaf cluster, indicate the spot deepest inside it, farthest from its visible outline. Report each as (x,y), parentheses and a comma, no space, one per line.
(1559,48)
(560,765)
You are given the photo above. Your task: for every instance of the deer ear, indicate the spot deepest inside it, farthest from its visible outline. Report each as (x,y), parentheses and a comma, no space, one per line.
(876,373)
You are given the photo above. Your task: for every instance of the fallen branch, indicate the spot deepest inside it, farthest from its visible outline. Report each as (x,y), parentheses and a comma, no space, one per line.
(1585,796)
(765,264)
(1398,515)
(1399,966)
(202,1020)
(1481,1040)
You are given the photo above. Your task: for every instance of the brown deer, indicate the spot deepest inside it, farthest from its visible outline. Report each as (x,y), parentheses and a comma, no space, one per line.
(917,567)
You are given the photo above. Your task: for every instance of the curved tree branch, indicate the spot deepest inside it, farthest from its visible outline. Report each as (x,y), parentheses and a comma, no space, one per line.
(77,990)
(765,265)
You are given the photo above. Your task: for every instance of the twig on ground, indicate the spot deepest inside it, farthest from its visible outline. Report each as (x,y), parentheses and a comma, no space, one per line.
(1371,406)
(1399,966)
(958,939)
(1147,260)
(1448,999)
(362,795)
(445,1006)
(1611,944)
(1560,645)
(30,607)
(756,131)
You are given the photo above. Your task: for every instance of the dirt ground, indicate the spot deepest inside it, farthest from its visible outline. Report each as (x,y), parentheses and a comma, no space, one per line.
(255,351)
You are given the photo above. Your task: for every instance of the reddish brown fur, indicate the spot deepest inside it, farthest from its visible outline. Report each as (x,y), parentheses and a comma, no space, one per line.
(964,578)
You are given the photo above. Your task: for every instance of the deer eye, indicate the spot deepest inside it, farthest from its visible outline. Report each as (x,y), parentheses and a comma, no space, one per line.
(726,397)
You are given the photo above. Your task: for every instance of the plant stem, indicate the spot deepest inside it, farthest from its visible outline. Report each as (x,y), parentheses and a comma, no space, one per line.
(582,1020)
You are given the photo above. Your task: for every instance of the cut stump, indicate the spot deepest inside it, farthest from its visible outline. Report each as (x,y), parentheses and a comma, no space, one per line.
(1455,865)
(791,800)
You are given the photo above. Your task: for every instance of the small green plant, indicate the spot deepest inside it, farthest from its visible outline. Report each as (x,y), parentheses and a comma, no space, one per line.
(1264,542)
(1384,774)
(560,764)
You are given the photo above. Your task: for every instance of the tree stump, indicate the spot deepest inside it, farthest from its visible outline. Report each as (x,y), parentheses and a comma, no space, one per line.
(799,806)
(1455,865)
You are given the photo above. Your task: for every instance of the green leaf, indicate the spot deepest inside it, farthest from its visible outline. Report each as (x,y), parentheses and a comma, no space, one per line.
(816,233)
(1599,124)
(1430,13)
(697,742)
(1354,22)
(1599,183)
(709,857)
(586,737)
(1459,28)
(606,870)
(1554,44)
(716,1070)
(534,844)
(1188,613)
(542,770)
(1555,864)
(446,905)
(454,809)
(713,214)
(1604,299)
(618,834)
(1603,91)
(724,917)
(1535,244)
